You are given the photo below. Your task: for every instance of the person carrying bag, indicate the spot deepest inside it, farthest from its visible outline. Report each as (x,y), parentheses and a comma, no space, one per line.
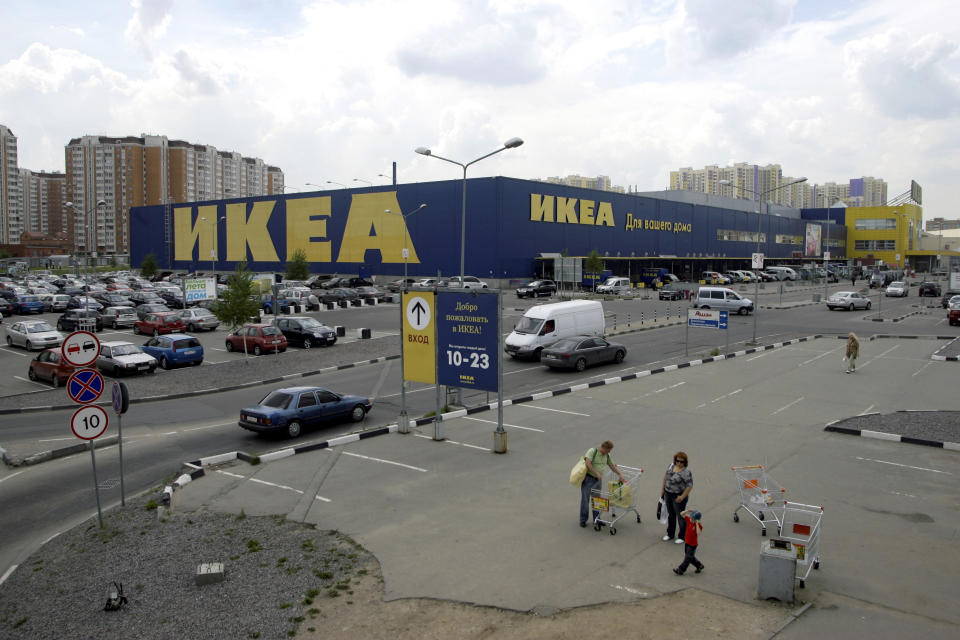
(595,461)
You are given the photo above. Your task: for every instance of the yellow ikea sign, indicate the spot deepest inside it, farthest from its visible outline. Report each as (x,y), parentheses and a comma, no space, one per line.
(367,226)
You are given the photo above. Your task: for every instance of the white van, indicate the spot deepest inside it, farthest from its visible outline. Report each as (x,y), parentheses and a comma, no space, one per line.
(614,285)
(544,324)
(783,273)
(722,298)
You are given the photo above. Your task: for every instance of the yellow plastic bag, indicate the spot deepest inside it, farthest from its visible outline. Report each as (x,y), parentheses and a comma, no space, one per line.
(578,473)
(621,495)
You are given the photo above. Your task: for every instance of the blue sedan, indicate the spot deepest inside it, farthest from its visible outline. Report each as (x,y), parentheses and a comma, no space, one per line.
(27,304)
(291,409)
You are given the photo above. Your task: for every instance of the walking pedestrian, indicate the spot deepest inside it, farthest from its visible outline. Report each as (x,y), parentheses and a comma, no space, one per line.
(853,352)
(675,489)
(597,460)
(853,279)
(691,541)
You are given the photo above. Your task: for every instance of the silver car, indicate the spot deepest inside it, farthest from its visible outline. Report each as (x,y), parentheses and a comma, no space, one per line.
(898,289)
(33,334)
(55,302)
(199,318)
(849,300)
(118,358)
(117,317)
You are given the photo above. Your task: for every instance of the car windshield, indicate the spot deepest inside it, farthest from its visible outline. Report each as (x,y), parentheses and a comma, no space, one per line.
(271,331)
(125,350)
(187,343)
(40,327)
(310,323)
(528,325)
(277,400)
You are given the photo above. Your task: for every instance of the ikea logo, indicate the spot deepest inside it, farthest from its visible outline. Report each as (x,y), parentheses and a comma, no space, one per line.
(570,210)
(368,226)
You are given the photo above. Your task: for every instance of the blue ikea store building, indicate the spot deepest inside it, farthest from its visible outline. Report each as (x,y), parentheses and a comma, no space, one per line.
(511,225)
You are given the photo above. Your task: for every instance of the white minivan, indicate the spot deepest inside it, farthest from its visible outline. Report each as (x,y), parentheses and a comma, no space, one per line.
(544,324)
(614,285)
(783,273)
(722,298)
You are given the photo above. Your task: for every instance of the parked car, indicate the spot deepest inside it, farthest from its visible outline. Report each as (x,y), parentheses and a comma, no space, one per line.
(579,352)
(371,293)
(271,304)
(537,288)
(124,358)
(897,289)
(927,288)
(196,318)
(157,323)
(173,298)
(722,298)
(672,292)
(111,299)
(338,295)
(27,304)
(77,319)
(84,302)
(31,334)
(55,302)
(397,285)
(50,365)
(290,410)
(305,332)
(301,297)
(766,276)
(849,300)
(117,317)
(466,282)
(5,308)
(174,349)
(945,301)
(257,338)
(144,296)
(953,314)
(354,282)
(142,310)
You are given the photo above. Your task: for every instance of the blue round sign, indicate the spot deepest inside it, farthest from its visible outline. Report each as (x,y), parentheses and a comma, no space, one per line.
(85,386)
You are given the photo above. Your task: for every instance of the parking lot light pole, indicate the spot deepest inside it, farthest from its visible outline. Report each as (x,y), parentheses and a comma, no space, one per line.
(403,422)
(213,251)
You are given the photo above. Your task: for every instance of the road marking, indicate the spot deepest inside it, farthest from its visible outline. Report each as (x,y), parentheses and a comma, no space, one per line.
(55,439)
(822,355)
(398,464)
(232,475)
(460,444)
(7,478)
(867,410)
(920,370)
(275,485)
(787,406)
(905,466)
(573,413)
(17,353)
(726,395)
(512,426)
(321,499)
(6,574)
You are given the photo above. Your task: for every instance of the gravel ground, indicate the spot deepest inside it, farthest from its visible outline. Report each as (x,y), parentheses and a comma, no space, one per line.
(279,577)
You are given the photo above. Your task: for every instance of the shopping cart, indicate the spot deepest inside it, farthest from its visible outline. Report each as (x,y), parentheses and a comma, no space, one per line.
(614,499)
(759,495)
(801,526)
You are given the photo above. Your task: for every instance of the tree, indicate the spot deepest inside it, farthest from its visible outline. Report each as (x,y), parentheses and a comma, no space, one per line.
(594,264)
(238,303)
(297,267)
(148,268)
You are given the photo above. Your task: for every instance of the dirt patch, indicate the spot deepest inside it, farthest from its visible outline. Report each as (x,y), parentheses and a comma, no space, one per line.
(362,613)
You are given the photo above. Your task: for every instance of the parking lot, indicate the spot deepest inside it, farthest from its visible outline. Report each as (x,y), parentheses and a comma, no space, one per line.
(429,508)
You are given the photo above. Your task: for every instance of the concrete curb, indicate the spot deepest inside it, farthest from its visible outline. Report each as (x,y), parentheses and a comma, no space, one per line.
(836,427)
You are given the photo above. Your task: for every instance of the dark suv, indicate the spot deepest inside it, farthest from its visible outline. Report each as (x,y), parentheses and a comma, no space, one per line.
(74,319)
(928,289)
(305,331)
(536,289)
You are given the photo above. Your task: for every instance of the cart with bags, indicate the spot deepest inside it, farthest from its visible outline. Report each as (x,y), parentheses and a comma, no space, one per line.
(760,495)
(615,499)
(801,526)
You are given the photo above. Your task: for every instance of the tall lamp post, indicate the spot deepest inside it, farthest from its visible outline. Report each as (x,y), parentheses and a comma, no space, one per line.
(89,241)
(362,180)
(213,249)
(403,425)
(760,196)
(336,183)
(310,184)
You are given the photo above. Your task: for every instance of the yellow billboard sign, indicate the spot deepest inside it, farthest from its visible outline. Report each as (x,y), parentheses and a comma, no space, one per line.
(419,337)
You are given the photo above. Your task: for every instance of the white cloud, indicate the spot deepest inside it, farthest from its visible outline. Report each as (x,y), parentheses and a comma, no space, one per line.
(149,22)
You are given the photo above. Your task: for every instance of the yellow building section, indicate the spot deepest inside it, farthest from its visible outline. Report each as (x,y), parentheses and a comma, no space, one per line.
(884,233)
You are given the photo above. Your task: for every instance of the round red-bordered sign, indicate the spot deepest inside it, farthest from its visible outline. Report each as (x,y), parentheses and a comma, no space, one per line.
(89,422)
(80,348)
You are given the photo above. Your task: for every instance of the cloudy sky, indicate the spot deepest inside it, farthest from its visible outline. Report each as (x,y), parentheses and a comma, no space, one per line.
(338,90)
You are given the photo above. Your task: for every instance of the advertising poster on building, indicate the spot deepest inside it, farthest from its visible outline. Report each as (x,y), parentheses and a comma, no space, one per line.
(200,289)
(468,344)
(812,244)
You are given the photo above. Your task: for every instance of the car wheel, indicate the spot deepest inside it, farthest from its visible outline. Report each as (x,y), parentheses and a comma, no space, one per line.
(33,374)
(192,328)
(55,381)
(164,363)
(306,343)
(357,413)
(619,356)
(115,325)
(742,311)
(850,308)
(9,342)
(581,364)
(156,332)
(29,346)
(136,330)
(294,429)
(868,306)
(229,346)
(116,371)
(196,363)
(257,350)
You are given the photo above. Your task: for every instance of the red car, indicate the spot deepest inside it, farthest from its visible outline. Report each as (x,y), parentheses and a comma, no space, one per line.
(953,315)
(258,338)
(50,365)
(160,322)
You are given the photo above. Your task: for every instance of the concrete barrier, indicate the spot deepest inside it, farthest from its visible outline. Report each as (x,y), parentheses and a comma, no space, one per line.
(363,334)
(341,331)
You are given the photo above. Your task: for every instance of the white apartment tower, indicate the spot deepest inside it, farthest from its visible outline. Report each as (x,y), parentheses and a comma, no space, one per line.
(11,198)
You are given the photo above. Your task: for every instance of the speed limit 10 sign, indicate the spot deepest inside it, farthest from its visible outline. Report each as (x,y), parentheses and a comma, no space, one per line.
(89,422)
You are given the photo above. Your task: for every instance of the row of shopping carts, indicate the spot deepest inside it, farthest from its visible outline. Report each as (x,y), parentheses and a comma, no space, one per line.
(765,500)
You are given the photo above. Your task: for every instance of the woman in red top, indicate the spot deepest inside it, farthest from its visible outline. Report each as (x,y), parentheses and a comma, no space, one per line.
(690,541)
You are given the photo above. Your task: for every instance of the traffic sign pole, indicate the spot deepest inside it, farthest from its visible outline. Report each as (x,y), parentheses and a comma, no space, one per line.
(120,401)
(96,487)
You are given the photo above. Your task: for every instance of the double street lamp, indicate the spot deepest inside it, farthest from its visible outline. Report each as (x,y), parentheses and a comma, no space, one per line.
(90,242)
(213,243)
(760,196)
(512,143)
(403,425)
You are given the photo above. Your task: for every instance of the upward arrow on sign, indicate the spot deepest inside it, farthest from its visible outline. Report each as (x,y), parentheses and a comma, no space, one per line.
(419,309)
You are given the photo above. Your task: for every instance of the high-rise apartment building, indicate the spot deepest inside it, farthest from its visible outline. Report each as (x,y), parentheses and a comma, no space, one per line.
(43,199)
(601,183)
(11,212)
(106,176)
(942,224)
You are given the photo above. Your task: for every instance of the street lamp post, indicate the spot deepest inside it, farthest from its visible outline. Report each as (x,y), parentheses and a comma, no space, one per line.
(403,423)
(86,223)
(361,180)
(756,294)
(213,248)
(336,183)
(310,184)
(383,175)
